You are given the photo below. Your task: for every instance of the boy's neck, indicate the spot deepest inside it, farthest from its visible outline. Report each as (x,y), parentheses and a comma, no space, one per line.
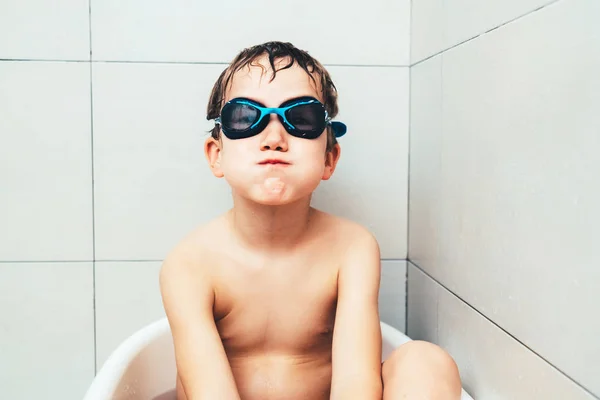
(270,227)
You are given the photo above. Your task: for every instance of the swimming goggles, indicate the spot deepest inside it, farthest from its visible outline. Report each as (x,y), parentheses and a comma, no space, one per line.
(303,117)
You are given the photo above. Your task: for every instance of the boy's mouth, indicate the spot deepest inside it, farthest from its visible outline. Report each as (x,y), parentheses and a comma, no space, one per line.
(274,161)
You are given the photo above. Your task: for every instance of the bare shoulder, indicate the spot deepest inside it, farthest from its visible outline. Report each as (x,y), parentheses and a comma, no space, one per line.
(348,236)
(193,257)
(358,260)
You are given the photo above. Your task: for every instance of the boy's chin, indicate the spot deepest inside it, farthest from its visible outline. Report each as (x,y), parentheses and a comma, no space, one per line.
(275,198)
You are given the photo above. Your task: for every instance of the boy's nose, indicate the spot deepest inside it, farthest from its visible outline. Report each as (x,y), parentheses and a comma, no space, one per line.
(274,137)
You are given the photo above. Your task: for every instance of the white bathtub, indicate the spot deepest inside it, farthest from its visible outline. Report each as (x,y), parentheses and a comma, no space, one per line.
(143,366)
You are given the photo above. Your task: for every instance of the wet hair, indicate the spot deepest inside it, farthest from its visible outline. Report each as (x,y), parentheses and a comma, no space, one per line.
(276,52)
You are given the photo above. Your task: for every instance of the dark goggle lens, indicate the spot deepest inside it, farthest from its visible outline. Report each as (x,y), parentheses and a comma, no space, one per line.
(238,117)
(241,120)
(307,118)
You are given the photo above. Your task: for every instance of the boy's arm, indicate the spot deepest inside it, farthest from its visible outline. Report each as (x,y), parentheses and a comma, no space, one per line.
(201,360)
(357,344)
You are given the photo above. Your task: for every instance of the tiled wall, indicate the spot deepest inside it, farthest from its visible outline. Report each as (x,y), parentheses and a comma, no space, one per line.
(102,169)
(504,193)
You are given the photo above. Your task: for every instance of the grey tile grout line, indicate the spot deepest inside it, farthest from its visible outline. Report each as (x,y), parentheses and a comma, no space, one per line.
(160,62)
(484,33)
(227,63)
(93,191)
(502,329)
(185,62)
(41,60)
(44,261)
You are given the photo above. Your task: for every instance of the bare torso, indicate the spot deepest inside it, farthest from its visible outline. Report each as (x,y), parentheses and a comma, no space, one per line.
(275,315)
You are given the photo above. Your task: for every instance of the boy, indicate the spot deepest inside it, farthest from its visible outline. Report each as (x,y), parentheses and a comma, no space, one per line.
(275,299)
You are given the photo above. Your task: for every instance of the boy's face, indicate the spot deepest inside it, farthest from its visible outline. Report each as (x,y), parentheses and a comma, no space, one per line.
(272,167)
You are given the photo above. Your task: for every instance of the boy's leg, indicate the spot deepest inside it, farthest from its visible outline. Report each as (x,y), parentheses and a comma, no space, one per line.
(420,370)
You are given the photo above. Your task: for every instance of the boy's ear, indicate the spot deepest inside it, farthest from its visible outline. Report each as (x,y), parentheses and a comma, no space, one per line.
(331,159)
(212,151)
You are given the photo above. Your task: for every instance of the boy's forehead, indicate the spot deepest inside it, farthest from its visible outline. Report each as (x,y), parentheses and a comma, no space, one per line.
(254,81)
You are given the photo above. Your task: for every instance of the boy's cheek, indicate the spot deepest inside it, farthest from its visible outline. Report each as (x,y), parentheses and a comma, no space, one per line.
(234,167)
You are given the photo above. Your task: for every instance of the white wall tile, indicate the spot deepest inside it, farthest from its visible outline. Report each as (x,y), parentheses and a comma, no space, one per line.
(127,299)
(46,331)
(45,167)
(437,25)
(153,184)
(425,161)
(371,181)
(492,364)
(422,306)
(468,18)
(336,32)
(41,29)
(428,20)
(392,293)
(518,222)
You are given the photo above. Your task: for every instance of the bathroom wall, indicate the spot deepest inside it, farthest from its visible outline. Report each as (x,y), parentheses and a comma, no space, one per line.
(102,170)
(504,211)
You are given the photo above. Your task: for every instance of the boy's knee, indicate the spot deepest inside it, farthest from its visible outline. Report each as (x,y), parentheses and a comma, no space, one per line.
(421,370)
(418,354)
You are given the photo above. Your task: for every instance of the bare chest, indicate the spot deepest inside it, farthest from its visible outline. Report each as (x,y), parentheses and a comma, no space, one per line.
(289,312)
